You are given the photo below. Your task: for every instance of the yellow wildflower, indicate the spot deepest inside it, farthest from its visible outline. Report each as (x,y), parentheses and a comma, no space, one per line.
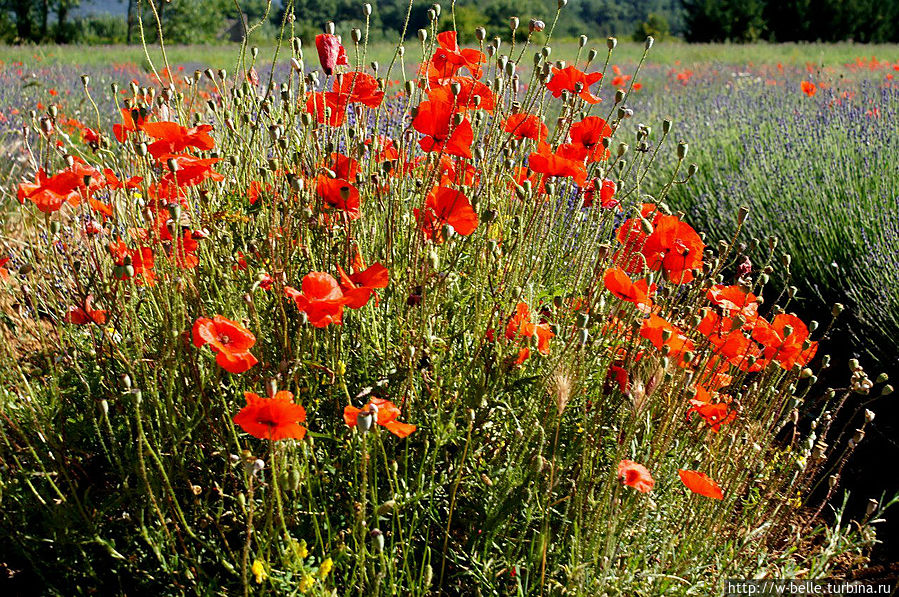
(325,567)
(306,583)
(258,570)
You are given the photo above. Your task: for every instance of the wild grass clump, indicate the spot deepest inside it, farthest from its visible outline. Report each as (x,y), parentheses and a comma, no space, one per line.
(387,328)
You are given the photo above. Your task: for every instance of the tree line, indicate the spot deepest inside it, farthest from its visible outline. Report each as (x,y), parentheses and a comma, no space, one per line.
(206,21)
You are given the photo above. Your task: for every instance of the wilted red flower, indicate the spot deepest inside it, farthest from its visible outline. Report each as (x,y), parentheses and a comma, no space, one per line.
(526,126)
(573,80)
(321,299)
(331,53)
(808,88)
(383,412)
(228,339)
(272,418)
(635,475)
(700,483)
(446,206)
(435,121)
(85,314)
(174,138)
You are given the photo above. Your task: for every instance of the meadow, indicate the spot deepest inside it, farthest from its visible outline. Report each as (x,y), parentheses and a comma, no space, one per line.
(361,321)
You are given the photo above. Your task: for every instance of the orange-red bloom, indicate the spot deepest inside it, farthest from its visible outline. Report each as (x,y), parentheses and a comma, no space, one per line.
(358,287)
(786,340)
(526,126)
(607,189)
(228,339)
(435,121)
(382,412)
(635,475)
(573,80)
(321,299)
(586,138)
(446,206)
(86,314)
(700,483)
(656,329)
(174,138)
(558,163)
(808,88)
(449,58)
(521,326)
(621,285)
(675,248)
(272,418)
(340,194)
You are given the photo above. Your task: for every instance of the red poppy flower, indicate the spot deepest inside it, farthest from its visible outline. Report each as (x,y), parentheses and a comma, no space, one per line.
(339,194)
(383,412)
(469,89)
(329,107)
(607,189)
(573,80)
(526,126)
(546,162)
(321,299)
(587,135)
(132,120)
(621,285)
(49,194)
(358,287)
(619,375)
(4,273)
(655,329)
(85,314)
(274,418)
(345,167)
(435,121)
(359,88)
(228,339)
(635,475)
(331,53)
(700,483)
(786,340)
(446,206)
(715,415)
(174,138)
(448,58)
(141,259)
(675,248)
(734,300)
(521,326)
(189,170)
(808,88)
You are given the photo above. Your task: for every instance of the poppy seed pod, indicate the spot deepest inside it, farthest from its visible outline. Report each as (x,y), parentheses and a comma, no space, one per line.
(649,41)
(611,42)
(887,390)
(562,4)
(837,309)
(536,26)
(356,35)
(422,35)
(329,28)
(582,41)
(591,55)
(480,34)
(513,23)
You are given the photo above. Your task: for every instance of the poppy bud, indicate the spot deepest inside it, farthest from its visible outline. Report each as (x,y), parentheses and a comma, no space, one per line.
(55,227)
(854,365)
(591,55)
(513,23)
(648,43)
(611,42)
(871,507)
(356,35)
(366,9)
(682,149)
(422,35)
(837,309)
(582,41)
(622,149)
(869,415)
(296,64)
(536,26)
(329,28)
(378,539)
(887,390)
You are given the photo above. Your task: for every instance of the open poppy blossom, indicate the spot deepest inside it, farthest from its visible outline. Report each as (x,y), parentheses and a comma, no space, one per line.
(521,326)
(274,418)
(449,58)
(4,273)
(675,248)
(526,126)
(808,88)
(381,412)
(85,314)
(545,161)
(173,138)
(446,206)
(587,138)
(132,121)
(662,333)
(472,94)
(620,284)
(140,259)
(358,287)
(714,414)
(435,121)
(635,475)
(228,339)
(358,88)
(576,81)
(786,340)
(331,53)
(339,194)
(700,483)
(321,299)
